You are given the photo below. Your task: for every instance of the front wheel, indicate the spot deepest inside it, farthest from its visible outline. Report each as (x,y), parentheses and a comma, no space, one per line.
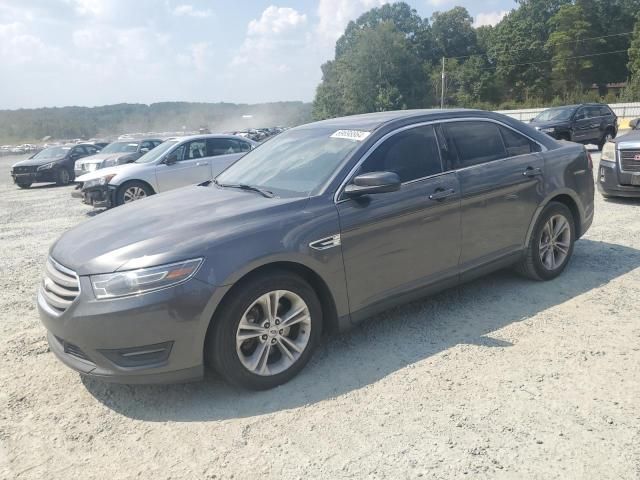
(266,332)
(132,191)
(24,184)
(551,244)
(63,177)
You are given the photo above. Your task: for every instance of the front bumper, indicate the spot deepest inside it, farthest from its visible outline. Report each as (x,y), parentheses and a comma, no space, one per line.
(156,337)
(608,182)
(48,175)
(99,197)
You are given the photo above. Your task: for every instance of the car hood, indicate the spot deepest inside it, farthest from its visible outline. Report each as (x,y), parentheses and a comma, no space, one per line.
(100,157)
(551,124)
(632,136)
(117,169)
(37,161)
(170,227)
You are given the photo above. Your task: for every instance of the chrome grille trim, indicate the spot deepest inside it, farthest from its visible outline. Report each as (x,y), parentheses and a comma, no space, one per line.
(628,164)
(60,287)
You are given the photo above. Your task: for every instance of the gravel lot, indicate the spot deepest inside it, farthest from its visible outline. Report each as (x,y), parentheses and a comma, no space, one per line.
(500,378)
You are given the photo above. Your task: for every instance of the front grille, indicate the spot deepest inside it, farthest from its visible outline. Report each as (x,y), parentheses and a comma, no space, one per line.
(60,286)
(628,162)
(73,350)
(27,169)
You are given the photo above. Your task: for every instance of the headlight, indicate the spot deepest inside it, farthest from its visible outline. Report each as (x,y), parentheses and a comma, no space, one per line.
(98,182)
(46,166)
(134,282)
(609,152)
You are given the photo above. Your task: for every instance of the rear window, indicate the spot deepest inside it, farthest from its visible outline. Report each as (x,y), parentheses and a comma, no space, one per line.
(475,142)
(517,144)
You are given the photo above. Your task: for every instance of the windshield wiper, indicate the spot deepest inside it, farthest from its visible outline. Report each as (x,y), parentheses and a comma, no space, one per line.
(242,186)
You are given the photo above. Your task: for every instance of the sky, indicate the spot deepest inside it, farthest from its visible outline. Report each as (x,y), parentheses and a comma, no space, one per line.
(99,52)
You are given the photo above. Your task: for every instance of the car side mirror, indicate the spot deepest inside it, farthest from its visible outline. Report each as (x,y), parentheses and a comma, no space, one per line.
(634,123)
(372,183)
(171,159)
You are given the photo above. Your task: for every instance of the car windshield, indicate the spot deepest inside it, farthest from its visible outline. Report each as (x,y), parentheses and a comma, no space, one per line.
(120,147)
(53,152)
(157,152)
(563,113)
(296,162)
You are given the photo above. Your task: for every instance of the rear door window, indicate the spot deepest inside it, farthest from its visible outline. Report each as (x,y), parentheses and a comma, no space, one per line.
(412,154)
(517,144)
(593,112)
(225,146)
(196,149)
(476,142)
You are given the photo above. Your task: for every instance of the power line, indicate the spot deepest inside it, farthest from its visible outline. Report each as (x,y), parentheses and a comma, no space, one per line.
(529,48)
(552,61)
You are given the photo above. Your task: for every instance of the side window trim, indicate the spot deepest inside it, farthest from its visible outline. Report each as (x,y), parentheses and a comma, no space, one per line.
(337,197)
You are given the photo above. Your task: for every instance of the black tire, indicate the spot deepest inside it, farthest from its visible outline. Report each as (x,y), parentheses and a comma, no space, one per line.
(531,266)
(608,136)
(121,194)
(63,176)
(220,345)
(24,184)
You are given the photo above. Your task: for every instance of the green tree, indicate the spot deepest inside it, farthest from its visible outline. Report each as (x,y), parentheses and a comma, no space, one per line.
(566,42)
(378,71)
(453,34)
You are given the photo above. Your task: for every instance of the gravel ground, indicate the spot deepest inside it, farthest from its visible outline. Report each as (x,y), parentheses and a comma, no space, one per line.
(500,378)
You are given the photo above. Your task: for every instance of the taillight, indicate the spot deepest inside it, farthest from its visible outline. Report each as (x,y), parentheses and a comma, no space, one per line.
(589,160)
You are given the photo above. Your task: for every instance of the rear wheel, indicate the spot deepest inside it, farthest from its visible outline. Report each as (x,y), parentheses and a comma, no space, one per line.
(63,177)
(551,244)
(608,136)
(266,332)
(132,191)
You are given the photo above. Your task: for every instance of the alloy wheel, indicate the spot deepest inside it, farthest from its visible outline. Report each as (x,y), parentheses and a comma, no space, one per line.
(134,193)
(273,333)
(555,242)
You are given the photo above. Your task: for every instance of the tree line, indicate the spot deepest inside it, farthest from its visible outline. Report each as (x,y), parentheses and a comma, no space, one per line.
(30,125)
(542,52)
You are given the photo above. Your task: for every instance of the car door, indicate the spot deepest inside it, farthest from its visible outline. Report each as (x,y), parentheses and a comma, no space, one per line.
(191,166)
(398,242)
(224,152)
(582,126)
(75,154)
(595,126)
(501,183)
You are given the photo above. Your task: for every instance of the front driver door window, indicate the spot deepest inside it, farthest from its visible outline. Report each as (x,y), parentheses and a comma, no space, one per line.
(191,166)
(412,238)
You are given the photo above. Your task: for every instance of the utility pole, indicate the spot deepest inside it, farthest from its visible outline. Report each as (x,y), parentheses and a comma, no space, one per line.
(442,85)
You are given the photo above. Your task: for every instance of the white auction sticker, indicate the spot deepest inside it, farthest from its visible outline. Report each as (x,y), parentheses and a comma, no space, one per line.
(356,135)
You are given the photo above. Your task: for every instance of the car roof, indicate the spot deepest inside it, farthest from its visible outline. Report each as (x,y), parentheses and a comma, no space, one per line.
(372,121)
(211,135)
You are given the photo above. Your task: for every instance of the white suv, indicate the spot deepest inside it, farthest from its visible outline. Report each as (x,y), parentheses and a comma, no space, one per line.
(175,163)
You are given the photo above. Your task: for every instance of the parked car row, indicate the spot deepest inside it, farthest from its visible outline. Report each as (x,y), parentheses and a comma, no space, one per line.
(314,230)
(259,134)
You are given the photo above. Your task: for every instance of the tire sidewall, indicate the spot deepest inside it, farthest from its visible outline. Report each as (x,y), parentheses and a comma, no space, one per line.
(24,185)
(123,188)
(220,346)
(551,210)
(60,180)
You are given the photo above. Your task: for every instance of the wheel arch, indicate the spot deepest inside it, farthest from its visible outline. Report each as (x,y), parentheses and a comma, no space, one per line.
(139,180)
(567,198)
(319,285)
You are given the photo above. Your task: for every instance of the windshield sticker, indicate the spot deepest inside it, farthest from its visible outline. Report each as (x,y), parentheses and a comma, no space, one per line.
(356,135)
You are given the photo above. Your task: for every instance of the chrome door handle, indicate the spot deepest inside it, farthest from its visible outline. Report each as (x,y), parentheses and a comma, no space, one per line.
(441,194)
(532,172)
